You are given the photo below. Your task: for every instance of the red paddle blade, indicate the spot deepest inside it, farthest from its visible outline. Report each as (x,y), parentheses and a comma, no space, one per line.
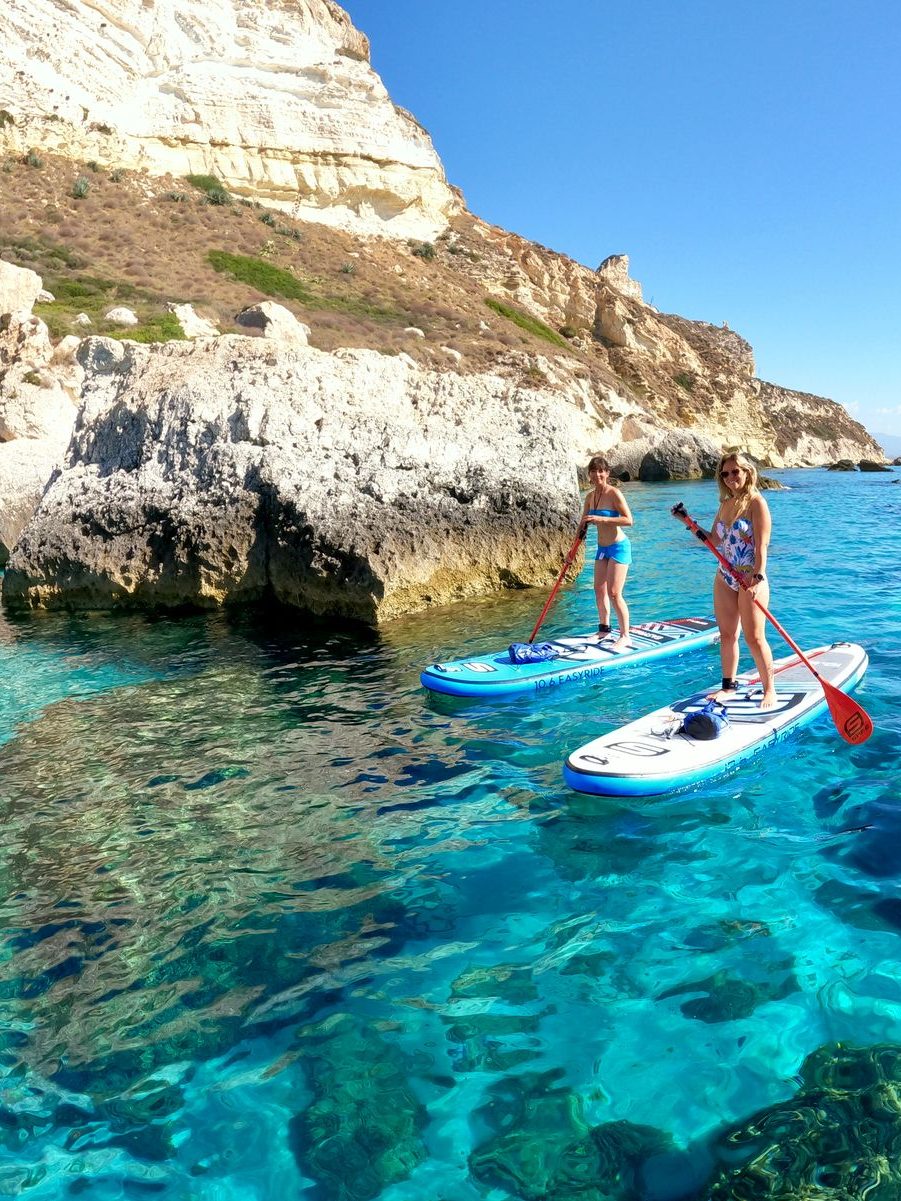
(851,720)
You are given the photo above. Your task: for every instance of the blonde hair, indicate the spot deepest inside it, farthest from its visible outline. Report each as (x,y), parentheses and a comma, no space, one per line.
(748,489)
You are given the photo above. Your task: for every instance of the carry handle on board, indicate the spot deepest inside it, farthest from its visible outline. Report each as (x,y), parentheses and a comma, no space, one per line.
(567,563)
(851,720)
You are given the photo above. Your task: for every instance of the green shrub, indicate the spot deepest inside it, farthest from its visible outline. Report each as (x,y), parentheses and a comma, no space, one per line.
(94,166)
(117,175)
(178,197)
(275,281)
(348,269)
(685,380)
(569,331)
(160,327)
(526,322)
(423,250)
(215,192)
(265,277)
(33,159)
(32,377)
(81,187)
(267,218)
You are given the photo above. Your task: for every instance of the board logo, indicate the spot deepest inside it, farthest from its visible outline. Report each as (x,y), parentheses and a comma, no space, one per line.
(854,727)
(643,750)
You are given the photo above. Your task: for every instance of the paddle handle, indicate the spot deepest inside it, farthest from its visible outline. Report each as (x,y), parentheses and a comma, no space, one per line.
(567,563)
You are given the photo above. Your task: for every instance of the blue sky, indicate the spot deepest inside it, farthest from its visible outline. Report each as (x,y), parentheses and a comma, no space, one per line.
(746,156)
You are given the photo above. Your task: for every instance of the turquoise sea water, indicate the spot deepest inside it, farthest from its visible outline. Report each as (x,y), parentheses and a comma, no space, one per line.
(275,923)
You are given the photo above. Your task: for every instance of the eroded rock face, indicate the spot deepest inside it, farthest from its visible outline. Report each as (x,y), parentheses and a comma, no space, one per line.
(351,484)
(805,424)
(276,322)
(19,288)
(666,373)
(39,383)
(676,455)
(25,467)
(276,100)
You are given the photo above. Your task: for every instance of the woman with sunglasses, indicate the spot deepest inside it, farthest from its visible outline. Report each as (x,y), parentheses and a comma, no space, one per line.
(742,526)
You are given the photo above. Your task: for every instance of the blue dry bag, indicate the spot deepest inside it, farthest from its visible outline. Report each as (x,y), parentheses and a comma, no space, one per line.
(708,722)
(532,652)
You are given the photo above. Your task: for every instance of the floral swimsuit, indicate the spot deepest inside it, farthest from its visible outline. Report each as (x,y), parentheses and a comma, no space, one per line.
(737,544)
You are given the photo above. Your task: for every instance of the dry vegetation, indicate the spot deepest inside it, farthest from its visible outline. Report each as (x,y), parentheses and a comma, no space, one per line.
(99,238)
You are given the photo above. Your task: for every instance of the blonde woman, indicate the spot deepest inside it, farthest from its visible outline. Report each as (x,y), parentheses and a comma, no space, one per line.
(741,529)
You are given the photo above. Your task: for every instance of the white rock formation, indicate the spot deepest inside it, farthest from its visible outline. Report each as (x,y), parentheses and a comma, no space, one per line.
(276,322)
(120,315)
(615,271)
(19,287)
(193,325)
(25,467)
(277,100)
(351,484)
(39,383)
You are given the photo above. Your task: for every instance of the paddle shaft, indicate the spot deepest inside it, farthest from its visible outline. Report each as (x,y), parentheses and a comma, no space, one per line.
(851,719)
(567,563)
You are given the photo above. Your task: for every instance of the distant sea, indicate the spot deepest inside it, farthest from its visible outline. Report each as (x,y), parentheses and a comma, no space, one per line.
(277,924)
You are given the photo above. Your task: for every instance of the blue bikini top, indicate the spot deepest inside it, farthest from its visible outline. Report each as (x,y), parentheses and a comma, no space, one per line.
(604,513)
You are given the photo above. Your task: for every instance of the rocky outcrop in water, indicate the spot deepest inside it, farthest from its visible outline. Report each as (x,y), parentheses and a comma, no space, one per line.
(278,101)
(351,484)
(838,1137)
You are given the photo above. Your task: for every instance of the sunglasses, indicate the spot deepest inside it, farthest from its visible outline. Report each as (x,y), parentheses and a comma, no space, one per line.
(733,471)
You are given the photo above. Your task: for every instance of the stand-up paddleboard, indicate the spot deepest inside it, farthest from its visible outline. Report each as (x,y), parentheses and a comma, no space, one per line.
(648,757)
(582,658)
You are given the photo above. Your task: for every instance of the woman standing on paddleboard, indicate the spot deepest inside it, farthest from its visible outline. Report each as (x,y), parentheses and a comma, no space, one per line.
(606,509)
(741,530)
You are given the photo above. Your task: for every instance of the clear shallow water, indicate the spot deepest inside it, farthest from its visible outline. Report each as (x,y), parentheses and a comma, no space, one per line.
(276,923)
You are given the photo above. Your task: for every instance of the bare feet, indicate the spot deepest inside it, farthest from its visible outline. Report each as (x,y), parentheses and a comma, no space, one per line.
(622,643)
(769,699)
(722,694)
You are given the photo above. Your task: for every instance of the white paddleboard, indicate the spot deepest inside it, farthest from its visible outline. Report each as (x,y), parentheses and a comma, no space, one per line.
(648,757)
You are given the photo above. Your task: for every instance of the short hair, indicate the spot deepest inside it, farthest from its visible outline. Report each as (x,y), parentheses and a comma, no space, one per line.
(598,463)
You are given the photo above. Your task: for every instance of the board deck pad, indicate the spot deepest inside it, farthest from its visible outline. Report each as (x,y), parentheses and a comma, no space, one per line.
(648,756)
(583,657)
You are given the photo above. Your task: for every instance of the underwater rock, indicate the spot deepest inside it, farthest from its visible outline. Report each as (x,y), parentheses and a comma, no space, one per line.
(837,1139)
(361,1132)
(543,1148)
(478,1037)
(724,998)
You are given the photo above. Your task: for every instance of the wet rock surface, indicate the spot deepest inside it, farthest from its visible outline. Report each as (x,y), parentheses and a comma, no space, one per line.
(349,484)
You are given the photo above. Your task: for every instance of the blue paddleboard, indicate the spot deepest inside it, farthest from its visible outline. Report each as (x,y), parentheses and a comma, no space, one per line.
(649,757)
(583,657)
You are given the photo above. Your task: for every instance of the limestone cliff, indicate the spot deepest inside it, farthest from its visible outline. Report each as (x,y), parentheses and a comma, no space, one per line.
(656,371)
(233,470)
(276,99)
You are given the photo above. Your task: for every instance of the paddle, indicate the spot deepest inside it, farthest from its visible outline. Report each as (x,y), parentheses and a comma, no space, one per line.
(567,563)
(851,720)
